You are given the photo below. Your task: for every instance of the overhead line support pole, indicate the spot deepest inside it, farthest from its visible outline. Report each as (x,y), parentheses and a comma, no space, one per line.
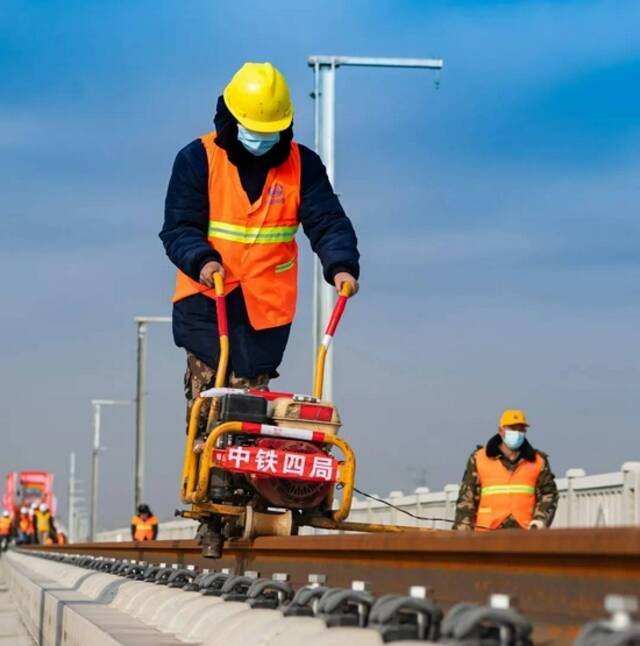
(71,496)
(324,120)
(141,351)
(140,378)
(95,464)
(95,459)
(324,295)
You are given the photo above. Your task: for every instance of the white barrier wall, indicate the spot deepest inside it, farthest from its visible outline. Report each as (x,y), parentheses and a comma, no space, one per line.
(65,605)
(169,530)
(602,500)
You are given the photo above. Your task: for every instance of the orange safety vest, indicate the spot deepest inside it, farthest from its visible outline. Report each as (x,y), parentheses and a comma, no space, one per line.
(43,521)
(5,526)
(24,524)
(256,241)
(143,528)
(505,493)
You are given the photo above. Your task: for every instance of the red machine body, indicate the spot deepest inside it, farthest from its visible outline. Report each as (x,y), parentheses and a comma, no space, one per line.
(21,488)
(304,491)
(286,472)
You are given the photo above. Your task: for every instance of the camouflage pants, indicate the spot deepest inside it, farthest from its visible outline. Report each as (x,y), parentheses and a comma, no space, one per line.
(199,376)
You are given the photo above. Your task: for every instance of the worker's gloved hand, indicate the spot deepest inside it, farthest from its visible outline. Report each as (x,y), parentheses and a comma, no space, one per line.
(206,273)
(536,524)
(346,277)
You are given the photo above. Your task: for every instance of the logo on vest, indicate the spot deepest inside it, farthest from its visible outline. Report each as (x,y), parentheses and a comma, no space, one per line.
(275,195)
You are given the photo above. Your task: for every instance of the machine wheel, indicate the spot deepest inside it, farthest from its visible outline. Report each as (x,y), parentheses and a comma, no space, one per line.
(209,535)
(258,523)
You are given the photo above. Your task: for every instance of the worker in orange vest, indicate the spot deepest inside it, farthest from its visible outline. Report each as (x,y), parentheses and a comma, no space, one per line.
(144,525)
(33,508)
(5,530)
(45,528)
(235,200)
(24,527)
(507,483)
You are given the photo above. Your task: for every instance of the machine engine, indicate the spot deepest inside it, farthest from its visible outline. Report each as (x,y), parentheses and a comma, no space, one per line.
(291,494)
(275,490)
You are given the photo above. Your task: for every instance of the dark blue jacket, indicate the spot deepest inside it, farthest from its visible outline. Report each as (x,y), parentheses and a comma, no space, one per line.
(184,236)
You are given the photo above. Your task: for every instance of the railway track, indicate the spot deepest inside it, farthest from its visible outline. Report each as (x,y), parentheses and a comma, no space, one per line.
(558,577)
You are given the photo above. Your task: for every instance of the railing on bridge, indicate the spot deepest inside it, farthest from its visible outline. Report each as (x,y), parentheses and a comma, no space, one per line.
(602,500)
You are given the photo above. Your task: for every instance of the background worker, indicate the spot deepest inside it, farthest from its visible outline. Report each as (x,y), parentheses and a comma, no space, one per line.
(24,527)
(33,508)
(234,202)
(5,530)
(507,483)
(44,525)
(144,525)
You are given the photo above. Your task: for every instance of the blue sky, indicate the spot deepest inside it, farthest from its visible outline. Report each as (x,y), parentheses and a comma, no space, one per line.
(497,216)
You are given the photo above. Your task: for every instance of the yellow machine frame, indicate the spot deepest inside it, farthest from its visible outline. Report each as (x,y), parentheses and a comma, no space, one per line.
(196,466)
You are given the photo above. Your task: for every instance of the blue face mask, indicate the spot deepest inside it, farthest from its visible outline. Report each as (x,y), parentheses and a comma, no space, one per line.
(513,439)
(257,143)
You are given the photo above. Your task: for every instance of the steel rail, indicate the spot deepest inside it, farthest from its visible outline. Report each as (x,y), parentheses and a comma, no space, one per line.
(559,577)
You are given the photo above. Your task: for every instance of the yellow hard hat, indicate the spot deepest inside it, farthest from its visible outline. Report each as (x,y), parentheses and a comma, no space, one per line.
(258,97)
(511,417)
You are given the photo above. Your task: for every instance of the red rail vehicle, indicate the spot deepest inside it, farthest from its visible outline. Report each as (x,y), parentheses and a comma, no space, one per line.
(21,488)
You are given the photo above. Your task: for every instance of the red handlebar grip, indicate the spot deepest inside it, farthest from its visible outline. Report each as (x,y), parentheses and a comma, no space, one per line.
(221,311)
(336,315)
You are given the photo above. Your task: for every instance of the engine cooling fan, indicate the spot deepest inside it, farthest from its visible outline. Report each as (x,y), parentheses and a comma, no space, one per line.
(291,494)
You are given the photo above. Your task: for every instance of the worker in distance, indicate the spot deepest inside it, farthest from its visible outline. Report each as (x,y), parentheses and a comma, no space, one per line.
(44,525)
(24,527)
(144,524)
(507,483)
(6,530)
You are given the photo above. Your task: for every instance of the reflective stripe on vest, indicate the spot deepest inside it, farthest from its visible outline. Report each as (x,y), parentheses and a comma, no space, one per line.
(251,235)
(256,241)
(498,489)
(505,493)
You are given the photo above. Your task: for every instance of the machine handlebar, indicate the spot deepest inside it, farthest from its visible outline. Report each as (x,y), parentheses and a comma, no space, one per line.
(223,330)
(346,291)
